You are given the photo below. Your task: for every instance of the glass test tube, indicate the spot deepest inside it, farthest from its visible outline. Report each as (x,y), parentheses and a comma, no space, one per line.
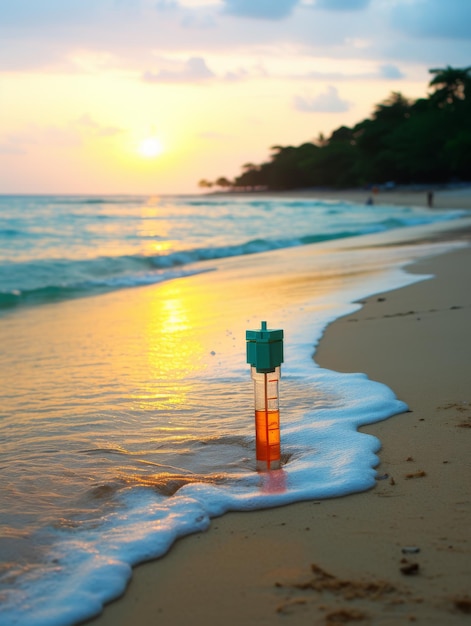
(265,355)
(267,419)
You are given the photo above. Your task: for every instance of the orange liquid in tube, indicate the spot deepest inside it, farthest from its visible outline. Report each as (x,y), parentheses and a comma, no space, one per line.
(267,437)
(267,419)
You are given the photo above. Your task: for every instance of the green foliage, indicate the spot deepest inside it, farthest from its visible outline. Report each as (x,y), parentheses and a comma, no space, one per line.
(425,141)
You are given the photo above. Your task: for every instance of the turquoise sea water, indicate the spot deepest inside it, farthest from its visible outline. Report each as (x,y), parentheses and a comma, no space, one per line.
(125,400)
(60,247)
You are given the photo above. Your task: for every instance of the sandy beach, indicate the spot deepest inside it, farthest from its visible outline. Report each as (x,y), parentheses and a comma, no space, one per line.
(397,554)
(458,197)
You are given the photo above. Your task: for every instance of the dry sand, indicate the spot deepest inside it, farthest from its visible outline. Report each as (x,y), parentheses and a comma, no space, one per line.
(397,554)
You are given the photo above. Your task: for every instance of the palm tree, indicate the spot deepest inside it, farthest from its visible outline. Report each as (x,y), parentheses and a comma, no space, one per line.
(205,184)
(451,85)
(223,182)
(248,167)
(392,110)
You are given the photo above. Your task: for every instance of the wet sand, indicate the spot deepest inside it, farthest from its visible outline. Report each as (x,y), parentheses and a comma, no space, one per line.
(397,554)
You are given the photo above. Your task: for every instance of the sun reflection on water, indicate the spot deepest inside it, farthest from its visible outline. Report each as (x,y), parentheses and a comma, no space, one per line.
(173,341)
(172,352)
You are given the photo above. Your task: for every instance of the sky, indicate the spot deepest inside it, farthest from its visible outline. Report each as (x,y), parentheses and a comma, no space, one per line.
(152,96)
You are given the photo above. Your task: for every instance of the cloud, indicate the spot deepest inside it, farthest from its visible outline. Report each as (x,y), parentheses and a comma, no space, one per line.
(22,140)
(194,70)
(433,18)
(384,72)
(166,5)
(9,145)
(390,72)
(86,121)
(75,36)
(342,5)
(260,9)
(68,135)
(328,102)
(198,20)
(47,12)
(240,74)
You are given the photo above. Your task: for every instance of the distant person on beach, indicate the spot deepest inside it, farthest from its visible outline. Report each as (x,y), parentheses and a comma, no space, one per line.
(370,201)
(430,199)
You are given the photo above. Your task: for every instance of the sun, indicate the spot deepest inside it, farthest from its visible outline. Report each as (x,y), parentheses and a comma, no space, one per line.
(150,147)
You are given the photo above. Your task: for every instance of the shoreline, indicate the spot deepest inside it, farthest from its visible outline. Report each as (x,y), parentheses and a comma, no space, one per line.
(444,197)
(320,562)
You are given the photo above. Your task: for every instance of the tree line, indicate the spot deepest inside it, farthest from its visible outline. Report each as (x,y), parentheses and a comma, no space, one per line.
(424,141)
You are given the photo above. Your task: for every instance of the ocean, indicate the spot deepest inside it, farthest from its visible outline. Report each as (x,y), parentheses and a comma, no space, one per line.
(126,404)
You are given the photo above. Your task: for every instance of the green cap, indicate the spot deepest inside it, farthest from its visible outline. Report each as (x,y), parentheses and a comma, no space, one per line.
(264,348)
